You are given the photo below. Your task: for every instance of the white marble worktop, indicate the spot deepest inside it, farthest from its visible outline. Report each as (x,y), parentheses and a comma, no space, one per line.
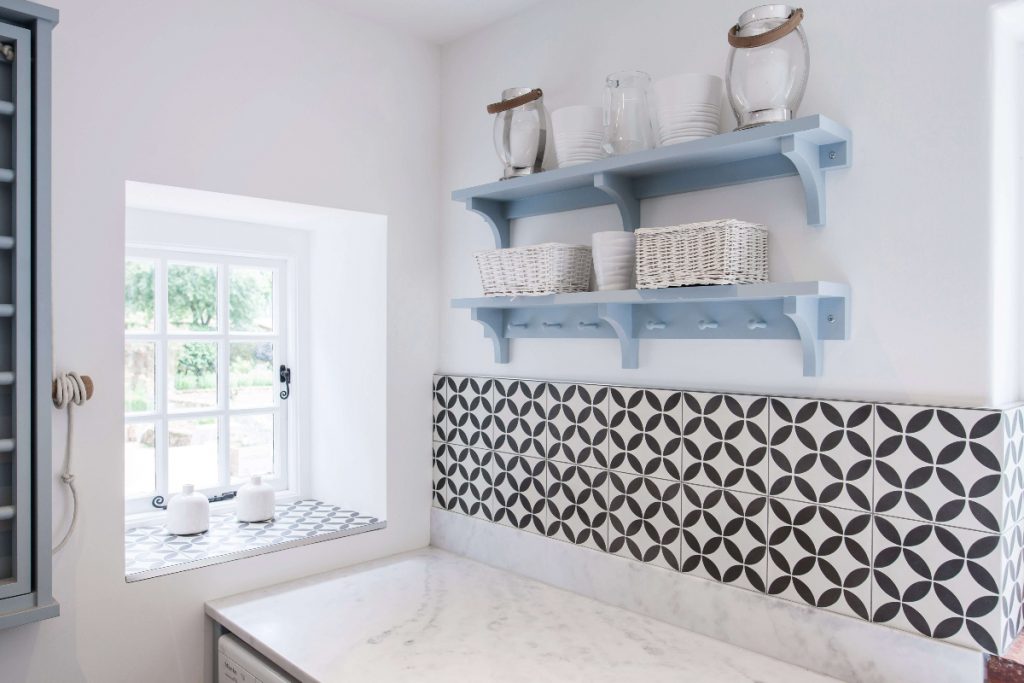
(432,616)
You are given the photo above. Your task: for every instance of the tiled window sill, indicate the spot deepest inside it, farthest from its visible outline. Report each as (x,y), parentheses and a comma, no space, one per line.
(151,551)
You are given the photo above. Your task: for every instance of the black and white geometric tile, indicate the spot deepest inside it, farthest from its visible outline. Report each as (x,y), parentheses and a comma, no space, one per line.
(820,556)
(724,536)
(821,452)
(1013,468)
(909,516)
(1011,587)
(644,519)
(151,548)
(577,504)
(439,479)
(520,484)
(469,414)
(578,424)
(471,482)
(440,405)
(520,409)
(939,465)
(725,441)
(940,582)
(646,431)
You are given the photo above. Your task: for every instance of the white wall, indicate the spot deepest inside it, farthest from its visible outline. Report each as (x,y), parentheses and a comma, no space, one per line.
(289,101)
(908,223)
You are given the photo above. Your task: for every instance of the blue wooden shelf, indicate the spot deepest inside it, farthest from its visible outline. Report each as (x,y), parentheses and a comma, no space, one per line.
(806,147)
(806,311)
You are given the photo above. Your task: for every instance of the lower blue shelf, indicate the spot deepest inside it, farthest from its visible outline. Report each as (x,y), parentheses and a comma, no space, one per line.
(809,312)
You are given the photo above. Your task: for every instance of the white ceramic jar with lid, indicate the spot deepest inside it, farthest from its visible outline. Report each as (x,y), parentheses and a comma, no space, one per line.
(255,501)
(188,513)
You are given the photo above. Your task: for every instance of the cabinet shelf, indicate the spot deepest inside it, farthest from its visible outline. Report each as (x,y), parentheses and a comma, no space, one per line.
(810,312)
(807,147)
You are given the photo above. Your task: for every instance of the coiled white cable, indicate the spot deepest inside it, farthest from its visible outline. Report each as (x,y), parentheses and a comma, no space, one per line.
(69,390)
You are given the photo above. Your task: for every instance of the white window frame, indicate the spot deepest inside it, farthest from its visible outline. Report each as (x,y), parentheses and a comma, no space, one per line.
(286,476)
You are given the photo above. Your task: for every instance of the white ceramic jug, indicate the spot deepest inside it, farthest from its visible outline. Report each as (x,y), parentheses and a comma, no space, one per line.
(255,501)
(188,512)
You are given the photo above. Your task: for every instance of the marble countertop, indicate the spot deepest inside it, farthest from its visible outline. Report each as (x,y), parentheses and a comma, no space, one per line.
(431,616)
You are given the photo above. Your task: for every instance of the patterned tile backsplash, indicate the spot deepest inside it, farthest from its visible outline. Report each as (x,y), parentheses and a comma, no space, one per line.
(908,516)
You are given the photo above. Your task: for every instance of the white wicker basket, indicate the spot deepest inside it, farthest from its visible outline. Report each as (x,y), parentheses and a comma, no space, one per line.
(722,252)
(550,268)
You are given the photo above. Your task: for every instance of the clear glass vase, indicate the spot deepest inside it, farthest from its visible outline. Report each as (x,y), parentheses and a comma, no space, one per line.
(767,82)
(627,113)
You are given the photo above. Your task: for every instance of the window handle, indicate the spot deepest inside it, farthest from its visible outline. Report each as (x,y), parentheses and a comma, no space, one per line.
(286,380)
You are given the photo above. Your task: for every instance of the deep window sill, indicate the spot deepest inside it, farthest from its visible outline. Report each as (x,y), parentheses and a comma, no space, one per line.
(151,551)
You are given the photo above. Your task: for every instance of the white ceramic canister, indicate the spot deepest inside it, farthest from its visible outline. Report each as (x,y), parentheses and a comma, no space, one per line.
(255,501)
(614,260)
(188,512)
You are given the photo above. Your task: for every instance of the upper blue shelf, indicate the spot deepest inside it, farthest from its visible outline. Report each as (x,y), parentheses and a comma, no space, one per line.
(806,147)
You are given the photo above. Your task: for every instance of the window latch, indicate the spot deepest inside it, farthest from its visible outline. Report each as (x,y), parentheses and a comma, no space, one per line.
(286,380)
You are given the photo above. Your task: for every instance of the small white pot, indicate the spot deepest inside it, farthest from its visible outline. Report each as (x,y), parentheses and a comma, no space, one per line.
(614,260)
(188,512)
(255,501)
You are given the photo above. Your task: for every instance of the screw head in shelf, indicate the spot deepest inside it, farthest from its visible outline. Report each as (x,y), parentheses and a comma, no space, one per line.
(832,155)
(830,317)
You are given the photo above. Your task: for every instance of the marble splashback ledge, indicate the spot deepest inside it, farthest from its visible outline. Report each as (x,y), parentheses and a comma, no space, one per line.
(894,516)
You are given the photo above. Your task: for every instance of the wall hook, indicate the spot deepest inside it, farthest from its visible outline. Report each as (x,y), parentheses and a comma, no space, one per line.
(517,326)
(656,325)
(707,325)
(588,326)
(552,325)
(756,324)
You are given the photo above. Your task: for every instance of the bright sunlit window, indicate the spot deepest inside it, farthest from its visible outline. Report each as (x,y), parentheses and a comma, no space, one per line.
(205,336)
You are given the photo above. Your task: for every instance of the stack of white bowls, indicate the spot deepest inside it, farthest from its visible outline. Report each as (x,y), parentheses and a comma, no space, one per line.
(688,107)
(578,132)
(614,255)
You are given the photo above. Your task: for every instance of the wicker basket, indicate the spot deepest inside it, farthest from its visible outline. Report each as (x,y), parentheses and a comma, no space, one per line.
(535,270)
(722,252)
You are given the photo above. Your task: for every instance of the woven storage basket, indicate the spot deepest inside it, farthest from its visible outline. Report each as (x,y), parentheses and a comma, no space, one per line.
(722,252)
(550,268)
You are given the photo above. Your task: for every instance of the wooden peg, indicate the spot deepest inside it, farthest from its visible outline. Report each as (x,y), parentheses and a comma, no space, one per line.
(86,380)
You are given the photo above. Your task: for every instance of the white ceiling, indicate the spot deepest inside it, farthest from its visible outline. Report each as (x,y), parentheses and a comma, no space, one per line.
(439,21)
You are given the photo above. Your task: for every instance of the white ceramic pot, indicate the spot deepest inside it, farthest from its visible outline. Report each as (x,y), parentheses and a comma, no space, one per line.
(188,512)
(255,501)
(614,259)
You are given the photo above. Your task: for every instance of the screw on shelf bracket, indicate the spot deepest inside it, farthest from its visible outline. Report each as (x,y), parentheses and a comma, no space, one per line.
(620,318)
(493,321)
(494,213)
(803,311)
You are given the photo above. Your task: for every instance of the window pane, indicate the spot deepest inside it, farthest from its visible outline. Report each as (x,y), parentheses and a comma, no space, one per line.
(139,377)
(139,459)
(139,277)
(191,298)
(192,375)
(252,446)
(251,308)
(251,376)
(192,454)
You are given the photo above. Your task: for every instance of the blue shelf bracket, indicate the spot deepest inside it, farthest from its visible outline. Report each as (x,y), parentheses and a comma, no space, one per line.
(620,318)
(493,321)
(494,213)
(807,157)
(803,311)
(620,190)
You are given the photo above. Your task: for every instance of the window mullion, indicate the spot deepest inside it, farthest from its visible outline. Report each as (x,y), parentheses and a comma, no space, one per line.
(160,425)
(223,391)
